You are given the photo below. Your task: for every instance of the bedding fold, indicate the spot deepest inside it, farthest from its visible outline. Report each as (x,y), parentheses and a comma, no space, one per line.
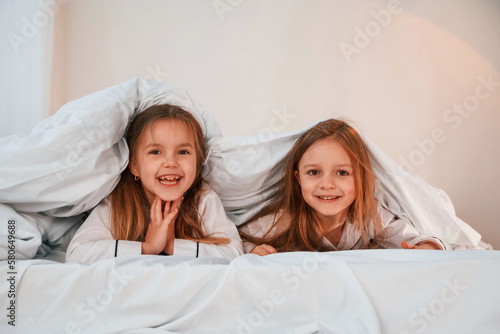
(364,291)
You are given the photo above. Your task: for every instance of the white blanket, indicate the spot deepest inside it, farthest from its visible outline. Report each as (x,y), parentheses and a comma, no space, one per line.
(367,291)
(52,176)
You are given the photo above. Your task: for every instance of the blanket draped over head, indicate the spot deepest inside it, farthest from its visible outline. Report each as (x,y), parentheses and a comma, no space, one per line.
(51,177)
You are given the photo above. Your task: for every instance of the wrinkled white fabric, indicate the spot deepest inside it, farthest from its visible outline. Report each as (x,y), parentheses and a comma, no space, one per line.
(359,291)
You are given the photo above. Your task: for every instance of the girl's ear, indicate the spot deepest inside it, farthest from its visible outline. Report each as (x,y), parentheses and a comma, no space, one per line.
(133,167)
(296,174)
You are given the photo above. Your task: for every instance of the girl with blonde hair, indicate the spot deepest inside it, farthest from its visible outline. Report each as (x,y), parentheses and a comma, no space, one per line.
(325,201)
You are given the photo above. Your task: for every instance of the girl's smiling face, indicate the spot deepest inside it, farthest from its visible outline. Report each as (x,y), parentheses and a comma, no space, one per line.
(326,178)
(165,159)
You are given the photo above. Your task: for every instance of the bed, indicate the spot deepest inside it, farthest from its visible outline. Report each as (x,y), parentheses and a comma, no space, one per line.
(52,176)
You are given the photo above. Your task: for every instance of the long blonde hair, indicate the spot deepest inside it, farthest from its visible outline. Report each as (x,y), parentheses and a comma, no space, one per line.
(298,225)
(129,204)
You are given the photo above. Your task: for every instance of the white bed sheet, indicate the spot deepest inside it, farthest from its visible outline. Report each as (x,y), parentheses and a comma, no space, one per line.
(366,291)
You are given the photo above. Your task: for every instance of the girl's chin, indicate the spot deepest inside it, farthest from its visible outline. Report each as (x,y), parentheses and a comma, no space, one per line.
(166,194)
(171,195)
(164,197)
(169,198)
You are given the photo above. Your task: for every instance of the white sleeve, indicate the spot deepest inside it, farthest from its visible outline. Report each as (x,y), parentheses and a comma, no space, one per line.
(398,230)
(215,223)
(93,241)
(248,229)
(258,229)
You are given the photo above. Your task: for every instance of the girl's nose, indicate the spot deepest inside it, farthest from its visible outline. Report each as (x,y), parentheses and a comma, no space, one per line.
(328,182)
(169,161)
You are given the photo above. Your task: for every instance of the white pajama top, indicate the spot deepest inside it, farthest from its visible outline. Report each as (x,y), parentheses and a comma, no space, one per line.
(396,231)
(94,240)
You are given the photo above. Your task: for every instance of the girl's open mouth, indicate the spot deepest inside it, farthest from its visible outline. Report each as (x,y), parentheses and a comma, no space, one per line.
(328,198)
(169,180)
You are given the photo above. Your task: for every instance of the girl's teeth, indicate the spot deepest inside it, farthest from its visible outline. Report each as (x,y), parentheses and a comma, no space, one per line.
(168,180)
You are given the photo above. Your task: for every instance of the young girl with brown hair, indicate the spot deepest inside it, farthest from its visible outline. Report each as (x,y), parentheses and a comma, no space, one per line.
(325,201)
(161,204)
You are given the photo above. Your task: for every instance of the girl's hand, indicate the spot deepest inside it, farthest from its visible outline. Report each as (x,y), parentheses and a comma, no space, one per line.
(264,250)
(423,245)
(169,246)
(161,229)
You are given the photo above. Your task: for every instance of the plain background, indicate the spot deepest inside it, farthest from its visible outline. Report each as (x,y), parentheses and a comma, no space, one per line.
(420,79)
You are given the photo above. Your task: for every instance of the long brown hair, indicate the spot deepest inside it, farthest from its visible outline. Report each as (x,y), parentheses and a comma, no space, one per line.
(296,226)
(129,204)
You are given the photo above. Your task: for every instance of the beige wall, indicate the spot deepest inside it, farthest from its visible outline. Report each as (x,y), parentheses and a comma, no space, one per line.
(398,78)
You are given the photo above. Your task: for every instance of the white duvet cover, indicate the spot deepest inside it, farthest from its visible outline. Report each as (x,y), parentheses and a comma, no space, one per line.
(366,291)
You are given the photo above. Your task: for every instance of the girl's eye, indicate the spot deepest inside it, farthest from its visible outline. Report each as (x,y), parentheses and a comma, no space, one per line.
(183,152)
(313,172)
(342,173)
(154,152)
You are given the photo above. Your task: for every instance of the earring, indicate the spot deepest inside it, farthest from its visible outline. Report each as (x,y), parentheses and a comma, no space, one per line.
(136,177)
